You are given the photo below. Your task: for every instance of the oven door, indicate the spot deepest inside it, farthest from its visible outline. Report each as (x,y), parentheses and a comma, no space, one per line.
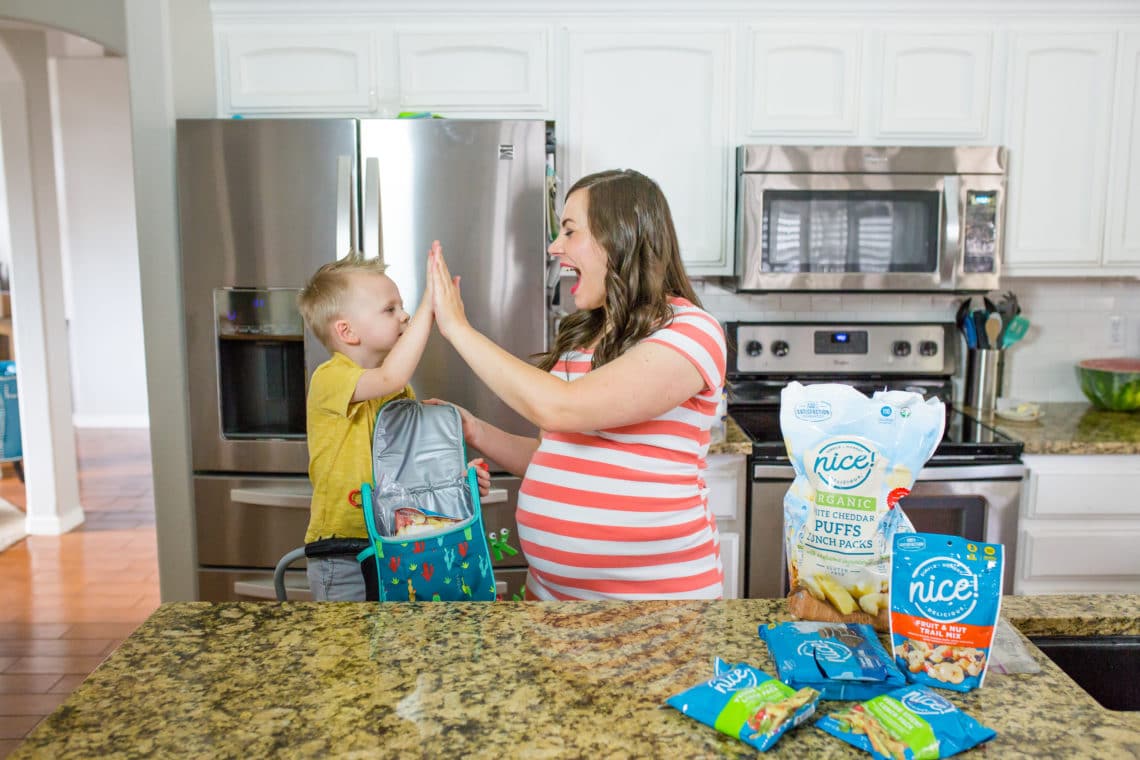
(879,232)
(978,502)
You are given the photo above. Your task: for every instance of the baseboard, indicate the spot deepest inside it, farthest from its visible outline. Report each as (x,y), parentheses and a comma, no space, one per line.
(55,525)
(110,420)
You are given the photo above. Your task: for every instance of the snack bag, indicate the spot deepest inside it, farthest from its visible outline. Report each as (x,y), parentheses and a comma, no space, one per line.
(945,602)
(840,660)
(854,457)
(747,703)
(912,723)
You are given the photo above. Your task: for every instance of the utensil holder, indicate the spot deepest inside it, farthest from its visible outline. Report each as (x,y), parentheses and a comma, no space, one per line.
(983,378)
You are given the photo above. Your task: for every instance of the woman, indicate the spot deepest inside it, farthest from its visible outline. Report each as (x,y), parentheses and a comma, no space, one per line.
(613,504)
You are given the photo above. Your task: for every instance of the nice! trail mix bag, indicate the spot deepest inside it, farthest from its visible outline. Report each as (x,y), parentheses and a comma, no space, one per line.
(746,703)
(840,660)
(911,723)
(854,457)
(945,602)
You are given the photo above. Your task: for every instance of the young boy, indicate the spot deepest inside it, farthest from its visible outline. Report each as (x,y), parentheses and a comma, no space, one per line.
(356,312)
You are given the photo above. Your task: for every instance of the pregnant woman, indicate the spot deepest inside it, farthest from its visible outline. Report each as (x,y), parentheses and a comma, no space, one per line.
(613,502)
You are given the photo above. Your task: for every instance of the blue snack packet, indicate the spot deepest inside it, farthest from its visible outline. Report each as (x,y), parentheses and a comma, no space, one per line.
(746,703)
(945,599)
(840,660)
(911,723)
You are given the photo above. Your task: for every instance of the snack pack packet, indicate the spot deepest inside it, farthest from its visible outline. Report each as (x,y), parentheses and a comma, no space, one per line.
(854,457)
(840,660)
(746,703)
(945,602)
(911,723)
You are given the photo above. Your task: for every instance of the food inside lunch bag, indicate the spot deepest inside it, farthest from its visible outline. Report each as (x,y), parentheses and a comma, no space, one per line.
(911,723)
(840,660)
(746,703)
(945,602)
(854,457)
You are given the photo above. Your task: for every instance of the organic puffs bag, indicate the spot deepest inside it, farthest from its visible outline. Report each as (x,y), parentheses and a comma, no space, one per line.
(854,457)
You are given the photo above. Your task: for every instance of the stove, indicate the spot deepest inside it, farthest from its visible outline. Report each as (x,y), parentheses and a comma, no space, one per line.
(971,485)
(869,357)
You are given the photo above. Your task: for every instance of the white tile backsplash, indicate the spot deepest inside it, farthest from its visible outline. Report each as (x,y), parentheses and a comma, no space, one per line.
(1069,322)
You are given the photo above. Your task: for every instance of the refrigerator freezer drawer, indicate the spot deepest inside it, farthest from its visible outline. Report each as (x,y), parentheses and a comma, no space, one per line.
(249,522)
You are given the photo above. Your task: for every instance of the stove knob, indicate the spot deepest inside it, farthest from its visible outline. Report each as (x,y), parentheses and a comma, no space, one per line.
(780,348)
(901,348)
(928,348)
(753,348)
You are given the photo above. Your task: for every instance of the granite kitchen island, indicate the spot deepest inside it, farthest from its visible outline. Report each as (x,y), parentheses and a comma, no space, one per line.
(507,679)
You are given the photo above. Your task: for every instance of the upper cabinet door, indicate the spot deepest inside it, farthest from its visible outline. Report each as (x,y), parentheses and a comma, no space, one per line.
(1122,246)
(282,70)
(1060,98)
(933,85)
(803,82)
(657,102)
(475,69)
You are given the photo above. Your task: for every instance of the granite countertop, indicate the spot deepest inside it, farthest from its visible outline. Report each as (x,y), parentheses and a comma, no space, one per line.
(735,441)
(583,679)
(1073,428)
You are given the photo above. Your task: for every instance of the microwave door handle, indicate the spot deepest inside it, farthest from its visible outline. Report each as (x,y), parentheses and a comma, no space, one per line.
(953,227)
(345,228)
(372,237)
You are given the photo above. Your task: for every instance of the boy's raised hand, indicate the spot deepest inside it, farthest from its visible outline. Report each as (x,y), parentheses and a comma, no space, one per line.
(448,304)
(427,303)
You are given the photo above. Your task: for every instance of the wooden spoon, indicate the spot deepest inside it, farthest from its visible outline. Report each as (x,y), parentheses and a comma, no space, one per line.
(993,329)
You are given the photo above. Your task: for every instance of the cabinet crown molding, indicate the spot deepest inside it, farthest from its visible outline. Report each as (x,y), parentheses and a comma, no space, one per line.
(677,8)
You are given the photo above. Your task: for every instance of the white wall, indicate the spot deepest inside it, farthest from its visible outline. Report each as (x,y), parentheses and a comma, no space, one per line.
(1069,322)
(104,309)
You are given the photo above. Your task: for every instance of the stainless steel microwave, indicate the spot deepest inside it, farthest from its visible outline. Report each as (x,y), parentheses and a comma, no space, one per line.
(875,218)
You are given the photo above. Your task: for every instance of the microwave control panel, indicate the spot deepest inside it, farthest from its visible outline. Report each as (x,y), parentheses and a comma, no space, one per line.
(981,231)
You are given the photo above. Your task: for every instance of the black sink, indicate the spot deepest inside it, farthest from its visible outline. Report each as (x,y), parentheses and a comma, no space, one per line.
(1107,667)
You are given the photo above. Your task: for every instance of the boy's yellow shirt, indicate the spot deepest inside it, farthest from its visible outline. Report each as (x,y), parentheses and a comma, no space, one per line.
(340,447)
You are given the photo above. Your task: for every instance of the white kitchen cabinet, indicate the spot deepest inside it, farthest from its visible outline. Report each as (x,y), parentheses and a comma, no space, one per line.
(657,101)
(266,69)
(726,478)
(487,70)
(932,85)
(1060,99)
(1122,240)
(803,80)
(1080,525)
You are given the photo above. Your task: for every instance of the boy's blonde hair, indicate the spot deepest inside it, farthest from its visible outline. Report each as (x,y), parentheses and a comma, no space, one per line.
(322,300)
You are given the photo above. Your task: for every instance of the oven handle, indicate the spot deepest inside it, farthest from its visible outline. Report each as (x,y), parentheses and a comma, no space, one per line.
(927,474)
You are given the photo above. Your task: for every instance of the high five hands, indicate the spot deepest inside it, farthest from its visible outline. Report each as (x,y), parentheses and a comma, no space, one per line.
(446,300)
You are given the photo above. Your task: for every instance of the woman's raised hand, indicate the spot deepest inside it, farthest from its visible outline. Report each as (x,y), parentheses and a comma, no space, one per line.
(449,315)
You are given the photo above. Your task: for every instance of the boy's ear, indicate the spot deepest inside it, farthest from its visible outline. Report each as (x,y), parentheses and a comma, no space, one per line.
(342,329)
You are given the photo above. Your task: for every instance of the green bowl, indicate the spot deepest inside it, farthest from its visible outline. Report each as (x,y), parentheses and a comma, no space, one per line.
(1111,383)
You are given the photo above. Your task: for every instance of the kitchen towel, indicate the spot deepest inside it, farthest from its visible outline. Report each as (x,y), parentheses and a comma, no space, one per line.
(12,524)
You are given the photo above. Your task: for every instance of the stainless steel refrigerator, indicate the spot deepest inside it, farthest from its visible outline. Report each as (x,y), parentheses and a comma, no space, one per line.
(263,203)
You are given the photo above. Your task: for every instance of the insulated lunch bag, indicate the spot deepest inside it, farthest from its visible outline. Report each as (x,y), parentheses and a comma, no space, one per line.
(422,510)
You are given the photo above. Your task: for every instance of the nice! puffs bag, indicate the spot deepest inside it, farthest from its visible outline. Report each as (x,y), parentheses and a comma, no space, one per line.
(945,602)
(746,703)
(912,722)
(854,457)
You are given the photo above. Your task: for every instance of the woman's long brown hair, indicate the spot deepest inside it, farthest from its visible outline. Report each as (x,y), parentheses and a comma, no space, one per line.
(628,216)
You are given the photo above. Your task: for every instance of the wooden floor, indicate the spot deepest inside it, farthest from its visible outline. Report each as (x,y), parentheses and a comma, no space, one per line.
(66,602)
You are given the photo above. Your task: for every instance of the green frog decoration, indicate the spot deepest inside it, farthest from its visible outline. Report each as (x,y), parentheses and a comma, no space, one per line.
(497,541)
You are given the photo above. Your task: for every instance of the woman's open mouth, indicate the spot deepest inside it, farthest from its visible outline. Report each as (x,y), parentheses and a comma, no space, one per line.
(574,289)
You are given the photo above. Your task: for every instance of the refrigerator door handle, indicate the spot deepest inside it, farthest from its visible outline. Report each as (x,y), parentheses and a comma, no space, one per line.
(301,498)
(345,215)
(372,242)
